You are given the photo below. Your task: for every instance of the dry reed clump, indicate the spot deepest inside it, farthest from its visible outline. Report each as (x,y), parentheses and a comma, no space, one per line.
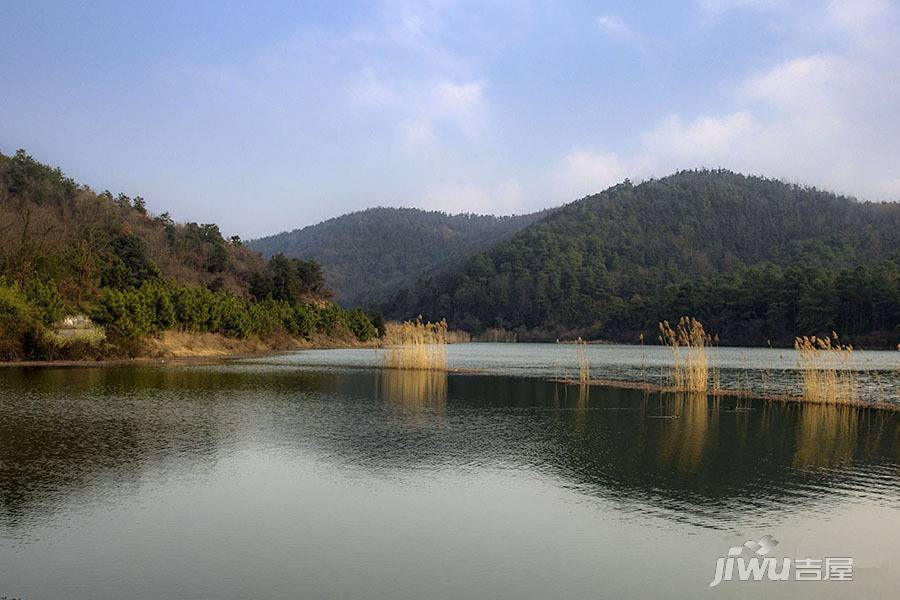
(416,345)
(455,336)
(826,367)
(687,342)
(584,373)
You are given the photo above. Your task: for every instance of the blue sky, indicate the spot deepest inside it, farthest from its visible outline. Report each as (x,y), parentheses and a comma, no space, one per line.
(270,116)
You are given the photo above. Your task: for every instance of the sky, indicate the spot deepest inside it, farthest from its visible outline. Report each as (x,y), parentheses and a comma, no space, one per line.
(268,116)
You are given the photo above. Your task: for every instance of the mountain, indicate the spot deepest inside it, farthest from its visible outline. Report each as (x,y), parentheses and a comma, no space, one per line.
(759,260)
(369,254)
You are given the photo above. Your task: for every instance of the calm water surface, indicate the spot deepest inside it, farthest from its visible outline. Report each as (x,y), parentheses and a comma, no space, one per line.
(310,476)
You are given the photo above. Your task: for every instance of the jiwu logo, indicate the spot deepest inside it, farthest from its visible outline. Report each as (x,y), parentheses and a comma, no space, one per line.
(757,568)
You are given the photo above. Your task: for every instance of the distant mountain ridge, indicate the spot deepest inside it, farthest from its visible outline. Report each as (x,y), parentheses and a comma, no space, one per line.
(367,255)
(759,259)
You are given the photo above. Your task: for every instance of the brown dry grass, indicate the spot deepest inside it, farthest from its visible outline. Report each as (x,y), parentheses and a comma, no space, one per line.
(826,366)
(584,372)
(687,342)
(182,344)
(416,345)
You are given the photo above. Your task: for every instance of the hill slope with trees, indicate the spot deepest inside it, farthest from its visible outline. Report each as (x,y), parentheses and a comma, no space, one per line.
(756,259)
(369,254)
(67,250)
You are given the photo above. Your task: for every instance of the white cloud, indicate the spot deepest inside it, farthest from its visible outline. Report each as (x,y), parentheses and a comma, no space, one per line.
(800,83)
(614,26)
(582,172)
(425,91)
(459,103)
(856,15)
(424,109)
(417,131)
(670,146)
(502,198)
(372,91)
(705,139)
(825,119)
(719,6)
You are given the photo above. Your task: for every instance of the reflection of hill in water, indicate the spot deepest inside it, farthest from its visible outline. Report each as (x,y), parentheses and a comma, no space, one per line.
(74,434)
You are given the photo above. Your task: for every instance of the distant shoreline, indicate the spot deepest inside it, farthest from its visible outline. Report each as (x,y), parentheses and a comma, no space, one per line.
(176,361)
(210,349)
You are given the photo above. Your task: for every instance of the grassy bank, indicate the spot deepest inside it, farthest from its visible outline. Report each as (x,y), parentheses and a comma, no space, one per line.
(180,347)
(160,317)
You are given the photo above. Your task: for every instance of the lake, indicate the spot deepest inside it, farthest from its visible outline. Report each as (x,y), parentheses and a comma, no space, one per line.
(318,475)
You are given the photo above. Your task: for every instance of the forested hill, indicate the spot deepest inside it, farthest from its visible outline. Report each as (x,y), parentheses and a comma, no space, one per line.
(757,259)
(67,251)
(52,228)
(369,254)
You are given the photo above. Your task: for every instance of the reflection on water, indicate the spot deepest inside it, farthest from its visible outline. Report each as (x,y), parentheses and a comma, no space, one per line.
(414,390)
(84,440)
(761,370)
(685,450)
(682,444)
(827,435)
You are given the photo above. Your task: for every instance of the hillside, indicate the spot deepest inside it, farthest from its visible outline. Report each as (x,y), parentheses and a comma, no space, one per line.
(368,255)
(757,259)
(66,250)
(56,229)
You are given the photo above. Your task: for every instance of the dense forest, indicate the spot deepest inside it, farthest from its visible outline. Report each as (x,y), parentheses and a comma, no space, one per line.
(67,250)
(368,255)
(758,260)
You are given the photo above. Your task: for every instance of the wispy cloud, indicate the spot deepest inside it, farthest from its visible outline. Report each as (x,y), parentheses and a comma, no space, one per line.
(583,172)
(720,6)
(818,118)
(503,198)
(615,27)
(422,109)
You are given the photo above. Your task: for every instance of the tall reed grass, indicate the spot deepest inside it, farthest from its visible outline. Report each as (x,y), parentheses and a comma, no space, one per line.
(584,371)
(416,345)
(687,342)
(826,367)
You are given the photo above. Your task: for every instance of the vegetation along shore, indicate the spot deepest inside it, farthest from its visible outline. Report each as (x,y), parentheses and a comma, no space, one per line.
(86,275)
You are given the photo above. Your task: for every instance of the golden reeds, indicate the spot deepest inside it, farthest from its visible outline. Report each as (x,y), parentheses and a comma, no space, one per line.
(643,358)
(687,341)
(416,345)
(584,372)
(826,366)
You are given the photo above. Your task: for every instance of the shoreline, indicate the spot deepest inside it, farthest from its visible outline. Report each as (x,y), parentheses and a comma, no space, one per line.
(333,344)
(166,352)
